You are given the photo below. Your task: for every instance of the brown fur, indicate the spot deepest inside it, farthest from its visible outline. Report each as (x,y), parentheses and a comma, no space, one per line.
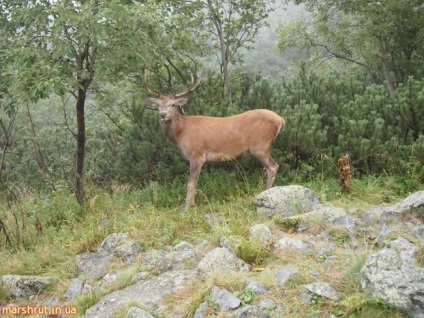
(203,139)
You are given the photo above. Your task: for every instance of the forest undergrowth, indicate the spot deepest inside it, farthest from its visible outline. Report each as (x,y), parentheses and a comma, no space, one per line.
(46,231)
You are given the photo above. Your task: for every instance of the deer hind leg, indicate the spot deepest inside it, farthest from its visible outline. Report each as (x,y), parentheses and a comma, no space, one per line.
(271,167)
(195,168)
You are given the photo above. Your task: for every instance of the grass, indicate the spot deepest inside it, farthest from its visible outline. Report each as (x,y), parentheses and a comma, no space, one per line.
(153,216)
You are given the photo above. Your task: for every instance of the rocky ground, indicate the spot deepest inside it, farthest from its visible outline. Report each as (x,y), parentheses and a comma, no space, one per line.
(296,265)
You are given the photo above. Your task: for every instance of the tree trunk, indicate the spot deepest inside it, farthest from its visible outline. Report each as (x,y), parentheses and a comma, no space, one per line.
(79,169)
(85,61)
(386,69)
(224,51)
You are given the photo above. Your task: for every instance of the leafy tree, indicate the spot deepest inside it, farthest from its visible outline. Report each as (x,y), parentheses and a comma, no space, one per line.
(385,38)
(64,46)
(229,25)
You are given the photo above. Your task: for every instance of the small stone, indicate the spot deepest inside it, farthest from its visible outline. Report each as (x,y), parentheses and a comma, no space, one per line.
(225,300)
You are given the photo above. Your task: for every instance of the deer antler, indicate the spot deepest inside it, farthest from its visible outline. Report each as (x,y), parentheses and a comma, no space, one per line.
(149,89)
(193,87)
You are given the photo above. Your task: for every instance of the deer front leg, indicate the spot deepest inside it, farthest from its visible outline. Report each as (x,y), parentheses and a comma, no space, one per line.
(195,168)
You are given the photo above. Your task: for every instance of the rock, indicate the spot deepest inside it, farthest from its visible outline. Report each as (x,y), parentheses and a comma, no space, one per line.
(93,265)
(372,216)
(183,246)
(225,300)
(305,298)
(267,304)
(405,249)
(386,231)
(261,234)
(419,233)
(25,285)
(249,312)
(256,287)
(221,260)
(139,277)
(284,273)
(109,277)
(74,288)
(225,243)
(413,203)
(162,261)
(294,243)
(135,312)
(148,293)
(201,311)
(326,215)
(128,251)
(397,282)
(381,215)
(324,290)
(286,201)
(111,242)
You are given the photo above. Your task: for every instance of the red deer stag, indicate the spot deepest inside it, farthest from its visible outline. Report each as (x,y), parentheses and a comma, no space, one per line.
(202,138)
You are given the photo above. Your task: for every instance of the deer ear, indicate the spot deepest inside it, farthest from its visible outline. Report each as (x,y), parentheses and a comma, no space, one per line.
(181,101)
(152,101)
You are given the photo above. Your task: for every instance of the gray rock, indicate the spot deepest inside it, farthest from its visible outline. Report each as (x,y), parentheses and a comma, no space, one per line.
(25,285)
(135,312)
(294,243)
(413,203)
(139,277)
(249,312)
(109,277)
(161,261)
(305,298)
(74,288)
(397,282)
(405,249)
(148,293)
(183,246)
(387,230)
(381,215)
(373,215)
(284,273)
(261,234)
(286,201)
(202,310)
(128,251)
(323,289)
(326,215)
(110,243)
(93,265)
(419,232)
(225,243)
(221,260)
(267,304)
(256,287)
(225,300)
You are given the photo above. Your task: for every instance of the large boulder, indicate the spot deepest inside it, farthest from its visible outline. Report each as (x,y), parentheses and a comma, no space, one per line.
(147,293)
(221,260)
(112,241)
(25,285)
(286,201)
(162,261)
(93,265)
(397,282)
(381,215)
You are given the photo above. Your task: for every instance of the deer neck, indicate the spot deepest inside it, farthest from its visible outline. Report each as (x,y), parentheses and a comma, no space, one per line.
(173,128)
